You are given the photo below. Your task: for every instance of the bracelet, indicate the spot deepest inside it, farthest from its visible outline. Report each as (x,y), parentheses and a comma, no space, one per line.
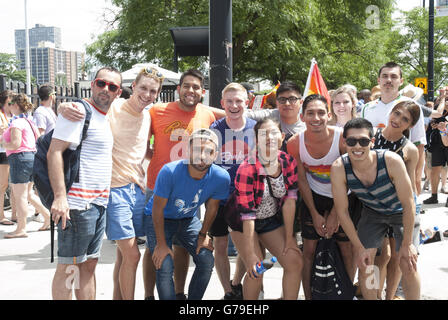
(202,234)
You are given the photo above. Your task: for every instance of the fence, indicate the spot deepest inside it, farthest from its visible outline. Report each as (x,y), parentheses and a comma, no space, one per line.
(65,94)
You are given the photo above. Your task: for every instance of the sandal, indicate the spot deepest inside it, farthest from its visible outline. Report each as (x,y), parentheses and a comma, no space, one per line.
(13,235)
(44,228)
(6,222)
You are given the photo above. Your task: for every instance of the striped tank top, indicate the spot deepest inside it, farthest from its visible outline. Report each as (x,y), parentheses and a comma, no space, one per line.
(381,196)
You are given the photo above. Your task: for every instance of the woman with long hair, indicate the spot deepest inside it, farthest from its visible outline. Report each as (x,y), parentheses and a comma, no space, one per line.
(5,116)
(343,107)
(19,140)
(266,193)
(394,137)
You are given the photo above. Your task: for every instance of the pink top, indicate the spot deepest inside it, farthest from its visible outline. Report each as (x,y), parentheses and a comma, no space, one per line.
(28,138)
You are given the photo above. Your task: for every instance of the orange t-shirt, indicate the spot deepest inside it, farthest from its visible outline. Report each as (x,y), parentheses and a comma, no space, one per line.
(171,127)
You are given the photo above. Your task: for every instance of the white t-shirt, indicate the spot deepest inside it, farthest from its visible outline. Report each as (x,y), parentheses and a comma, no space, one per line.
(96,158)
(378,112)
(45,118)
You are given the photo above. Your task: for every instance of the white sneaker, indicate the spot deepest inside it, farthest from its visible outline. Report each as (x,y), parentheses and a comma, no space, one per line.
(39,218)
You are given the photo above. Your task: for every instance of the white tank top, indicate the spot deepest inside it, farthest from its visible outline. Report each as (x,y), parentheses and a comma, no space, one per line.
(318,170)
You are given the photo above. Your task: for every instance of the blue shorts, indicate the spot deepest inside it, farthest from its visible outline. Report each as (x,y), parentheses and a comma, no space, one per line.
(21,167)
(83,236)
(125,212)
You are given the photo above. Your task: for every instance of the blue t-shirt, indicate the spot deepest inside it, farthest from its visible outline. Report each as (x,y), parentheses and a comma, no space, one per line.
(234,146)
(185,195)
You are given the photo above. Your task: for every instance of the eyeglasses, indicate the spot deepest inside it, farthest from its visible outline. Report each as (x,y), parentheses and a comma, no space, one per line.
(291,100)
(153,72)
(111,86)
(363,142)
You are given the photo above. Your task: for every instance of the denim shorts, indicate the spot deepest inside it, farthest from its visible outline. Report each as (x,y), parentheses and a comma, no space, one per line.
(125,212)
(83,236)
(21,167)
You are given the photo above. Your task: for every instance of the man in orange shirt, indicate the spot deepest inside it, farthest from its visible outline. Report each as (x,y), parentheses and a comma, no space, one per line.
(171,124)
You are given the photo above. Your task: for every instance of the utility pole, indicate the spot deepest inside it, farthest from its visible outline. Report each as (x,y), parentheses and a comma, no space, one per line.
(221,53)
(27,53)
(431,52)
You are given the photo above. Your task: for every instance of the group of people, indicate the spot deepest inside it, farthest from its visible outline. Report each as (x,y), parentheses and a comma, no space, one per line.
(262,175)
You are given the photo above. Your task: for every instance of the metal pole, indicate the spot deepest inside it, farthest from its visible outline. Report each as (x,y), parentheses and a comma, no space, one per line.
(431,52)
(27,53)
(220,48)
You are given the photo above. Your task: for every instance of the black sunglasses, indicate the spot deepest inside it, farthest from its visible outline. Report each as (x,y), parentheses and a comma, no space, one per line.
(363,142)
(111,86)
(291,100)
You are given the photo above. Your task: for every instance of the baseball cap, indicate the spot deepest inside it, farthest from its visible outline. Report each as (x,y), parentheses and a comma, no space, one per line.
(206,134)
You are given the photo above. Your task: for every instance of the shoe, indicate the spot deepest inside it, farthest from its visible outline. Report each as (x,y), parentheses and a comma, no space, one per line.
(261,295)
(431,200)
(181,296)
(422,211)
(38,218)
(237,291)
(229,296)
(140,241)
(445,233)
(446,203)
(150,298)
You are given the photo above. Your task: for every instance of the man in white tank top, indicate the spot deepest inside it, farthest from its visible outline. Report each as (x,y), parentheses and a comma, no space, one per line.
(315,149)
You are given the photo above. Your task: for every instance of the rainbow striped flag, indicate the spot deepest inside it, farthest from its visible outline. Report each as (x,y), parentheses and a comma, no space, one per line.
(315,84)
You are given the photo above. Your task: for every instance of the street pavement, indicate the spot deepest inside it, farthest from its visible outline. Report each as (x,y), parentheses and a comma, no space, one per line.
(26,272)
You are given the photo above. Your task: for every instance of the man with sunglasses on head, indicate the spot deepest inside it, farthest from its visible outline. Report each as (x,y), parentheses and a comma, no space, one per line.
(130,123)
(80,213)
(171,124)
(380,181)
(315,149)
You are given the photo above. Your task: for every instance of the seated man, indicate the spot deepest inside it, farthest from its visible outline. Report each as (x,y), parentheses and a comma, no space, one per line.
(181,188)
(380,181)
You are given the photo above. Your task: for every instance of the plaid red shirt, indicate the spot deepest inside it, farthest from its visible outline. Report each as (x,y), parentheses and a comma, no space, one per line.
(249,183)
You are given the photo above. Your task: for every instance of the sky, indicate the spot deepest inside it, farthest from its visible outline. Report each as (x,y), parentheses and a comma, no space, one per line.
(79,20)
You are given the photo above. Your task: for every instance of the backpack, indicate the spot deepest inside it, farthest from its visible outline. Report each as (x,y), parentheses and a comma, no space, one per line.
(71,160)
(329,279)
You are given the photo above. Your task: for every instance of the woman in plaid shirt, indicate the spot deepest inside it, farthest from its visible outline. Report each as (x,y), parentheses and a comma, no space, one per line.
(266,193)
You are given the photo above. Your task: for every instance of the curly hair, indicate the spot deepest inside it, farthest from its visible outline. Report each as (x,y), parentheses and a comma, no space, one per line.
(23,102)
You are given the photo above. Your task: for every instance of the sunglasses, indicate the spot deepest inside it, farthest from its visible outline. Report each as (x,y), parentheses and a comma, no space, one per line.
(111,86)
(363,142)
(153,72)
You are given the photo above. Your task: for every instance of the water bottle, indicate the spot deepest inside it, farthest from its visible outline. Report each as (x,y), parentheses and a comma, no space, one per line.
(266,264)
(436,235)
(427,234)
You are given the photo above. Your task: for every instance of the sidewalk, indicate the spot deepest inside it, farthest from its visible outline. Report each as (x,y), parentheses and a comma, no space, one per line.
(27,273)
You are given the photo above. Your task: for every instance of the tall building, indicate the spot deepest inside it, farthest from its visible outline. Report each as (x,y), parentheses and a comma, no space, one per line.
(39,33)
(48,61)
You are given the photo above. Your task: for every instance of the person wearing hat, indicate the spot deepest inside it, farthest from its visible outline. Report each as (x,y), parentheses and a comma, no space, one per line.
(181,187)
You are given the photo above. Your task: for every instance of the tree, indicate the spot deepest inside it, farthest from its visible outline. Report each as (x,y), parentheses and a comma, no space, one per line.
(409,46)
(272,40)
(9,65)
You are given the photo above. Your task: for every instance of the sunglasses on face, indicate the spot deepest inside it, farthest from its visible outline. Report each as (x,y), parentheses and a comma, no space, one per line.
(112,87)
(363,142)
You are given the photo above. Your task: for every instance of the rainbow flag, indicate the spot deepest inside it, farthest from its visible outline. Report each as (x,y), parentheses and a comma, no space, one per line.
(315,83)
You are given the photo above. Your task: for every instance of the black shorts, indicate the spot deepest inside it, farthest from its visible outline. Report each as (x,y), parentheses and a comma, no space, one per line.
(324,204)
(439,157)
(3,158)
(219,227)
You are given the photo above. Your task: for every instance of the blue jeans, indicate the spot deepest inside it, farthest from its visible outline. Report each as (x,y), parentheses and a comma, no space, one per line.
(186,232)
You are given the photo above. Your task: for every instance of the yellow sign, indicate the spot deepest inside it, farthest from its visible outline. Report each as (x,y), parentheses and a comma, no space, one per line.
(422,83)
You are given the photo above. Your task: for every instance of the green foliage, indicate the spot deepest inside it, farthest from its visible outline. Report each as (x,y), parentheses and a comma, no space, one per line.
(409,45)
(9,66)
(276,40)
